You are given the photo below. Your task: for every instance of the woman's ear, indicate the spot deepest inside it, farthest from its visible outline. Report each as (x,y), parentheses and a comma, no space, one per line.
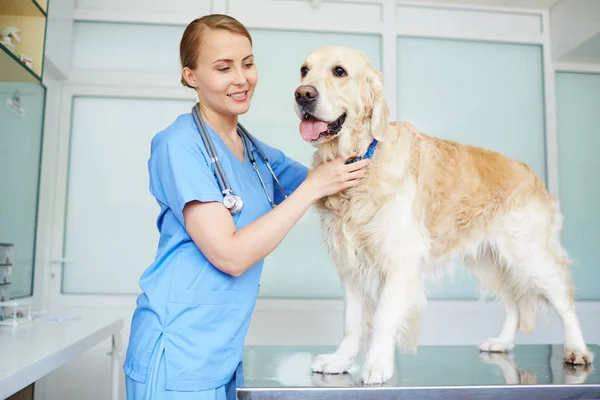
(379,113)
(187,76)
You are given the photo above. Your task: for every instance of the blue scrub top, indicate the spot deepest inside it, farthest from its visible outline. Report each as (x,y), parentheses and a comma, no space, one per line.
(201,313)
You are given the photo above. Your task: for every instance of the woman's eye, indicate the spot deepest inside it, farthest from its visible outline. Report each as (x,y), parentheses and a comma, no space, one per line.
(339,71)
(224,69)
(248,65)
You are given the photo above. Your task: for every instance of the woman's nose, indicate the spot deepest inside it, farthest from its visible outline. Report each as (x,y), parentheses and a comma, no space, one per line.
(240,77)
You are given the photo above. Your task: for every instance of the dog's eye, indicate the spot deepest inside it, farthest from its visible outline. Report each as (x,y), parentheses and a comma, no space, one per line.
(303,71)
(339,71)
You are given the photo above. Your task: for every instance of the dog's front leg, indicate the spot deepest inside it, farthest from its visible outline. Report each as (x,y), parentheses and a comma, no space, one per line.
(401,297)
(344,356)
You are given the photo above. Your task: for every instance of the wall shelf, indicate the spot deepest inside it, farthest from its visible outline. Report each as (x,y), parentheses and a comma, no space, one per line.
(30,17)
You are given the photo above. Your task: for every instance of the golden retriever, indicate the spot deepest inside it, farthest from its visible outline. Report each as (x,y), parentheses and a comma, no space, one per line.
(425,203)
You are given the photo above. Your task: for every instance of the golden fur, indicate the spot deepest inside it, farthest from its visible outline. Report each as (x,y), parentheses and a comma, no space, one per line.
(426,203)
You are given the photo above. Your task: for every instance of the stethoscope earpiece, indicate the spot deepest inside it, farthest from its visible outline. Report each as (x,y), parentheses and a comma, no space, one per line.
(231,201)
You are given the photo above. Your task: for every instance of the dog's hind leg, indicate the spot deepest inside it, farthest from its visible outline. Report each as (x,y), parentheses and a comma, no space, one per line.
(354,317)
(541,269)
(551,279)
(493,277)
(402,295)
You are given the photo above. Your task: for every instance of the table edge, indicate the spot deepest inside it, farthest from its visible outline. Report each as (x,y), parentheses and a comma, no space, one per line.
(12,383)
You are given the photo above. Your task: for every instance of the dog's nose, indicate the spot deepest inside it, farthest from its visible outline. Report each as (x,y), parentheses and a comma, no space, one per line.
(305,94)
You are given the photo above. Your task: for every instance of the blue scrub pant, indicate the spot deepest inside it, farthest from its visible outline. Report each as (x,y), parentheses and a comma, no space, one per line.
(154,387)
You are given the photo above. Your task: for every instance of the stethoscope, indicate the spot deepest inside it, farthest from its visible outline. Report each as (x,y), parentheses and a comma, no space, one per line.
(232,201)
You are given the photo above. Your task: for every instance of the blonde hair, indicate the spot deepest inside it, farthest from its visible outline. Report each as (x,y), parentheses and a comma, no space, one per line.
(189,48)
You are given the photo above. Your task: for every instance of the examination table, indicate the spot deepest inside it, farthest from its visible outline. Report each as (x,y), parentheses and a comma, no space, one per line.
(434,372)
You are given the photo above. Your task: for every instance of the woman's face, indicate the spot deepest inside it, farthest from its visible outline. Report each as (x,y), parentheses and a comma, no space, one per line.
(225,76)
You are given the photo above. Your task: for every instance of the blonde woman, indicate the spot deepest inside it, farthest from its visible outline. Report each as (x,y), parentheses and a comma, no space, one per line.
(188,330)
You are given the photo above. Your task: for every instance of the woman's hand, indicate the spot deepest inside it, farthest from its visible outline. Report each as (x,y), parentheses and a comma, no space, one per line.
(334,176)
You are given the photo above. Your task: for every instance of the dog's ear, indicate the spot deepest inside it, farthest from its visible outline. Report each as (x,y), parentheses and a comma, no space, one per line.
(378,112)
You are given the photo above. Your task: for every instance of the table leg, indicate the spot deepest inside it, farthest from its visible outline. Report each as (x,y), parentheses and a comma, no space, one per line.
(115,367)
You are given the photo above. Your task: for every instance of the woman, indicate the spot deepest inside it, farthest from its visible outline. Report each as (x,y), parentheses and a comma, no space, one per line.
(188,329)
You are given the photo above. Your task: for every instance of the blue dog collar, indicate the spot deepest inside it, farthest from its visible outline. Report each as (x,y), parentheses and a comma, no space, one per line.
(368,154)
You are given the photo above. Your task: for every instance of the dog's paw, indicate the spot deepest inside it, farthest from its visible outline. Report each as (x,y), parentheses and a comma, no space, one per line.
(577,356)
(331,364)
(496,345)
(377,372)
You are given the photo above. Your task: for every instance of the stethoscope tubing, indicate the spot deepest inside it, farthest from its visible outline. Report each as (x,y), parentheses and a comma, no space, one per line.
(221,177)
(246,138)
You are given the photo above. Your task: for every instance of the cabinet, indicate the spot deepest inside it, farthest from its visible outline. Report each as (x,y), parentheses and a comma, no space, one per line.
(22,102)
(22,39)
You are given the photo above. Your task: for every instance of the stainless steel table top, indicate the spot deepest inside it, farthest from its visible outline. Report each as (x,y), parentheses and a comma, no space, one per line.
(434,372)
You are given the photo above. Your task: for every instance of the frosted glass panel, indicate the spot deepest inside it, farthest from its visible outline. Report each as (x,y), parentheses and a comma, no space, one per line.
(110,231)
(126,47)
(578,114)
(20,146)
(300,266)
(485,94)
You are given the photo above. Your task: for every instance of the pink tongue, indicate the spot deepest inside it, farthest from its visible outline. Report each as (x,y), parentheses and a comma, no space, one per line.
(311,129)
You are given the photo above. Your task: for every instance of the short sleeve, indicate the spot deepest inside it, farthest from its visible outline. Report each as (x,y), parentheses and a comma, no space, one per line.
(290,172)
(179,173)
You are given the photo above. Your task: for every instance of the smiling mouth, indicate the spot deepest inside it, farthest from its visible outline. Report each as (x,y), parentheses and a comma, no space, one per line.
(313,129)
(238,96)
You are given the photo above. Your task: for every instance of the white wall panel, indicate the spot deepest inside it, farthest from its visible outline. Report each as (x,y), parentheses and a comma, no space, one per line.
(468,24)
(357,17)
(59,35)
(191,6)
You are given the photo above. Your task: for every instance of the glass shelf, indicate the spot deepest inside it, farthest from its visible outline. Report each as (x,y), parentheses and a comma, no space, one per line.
(14,70)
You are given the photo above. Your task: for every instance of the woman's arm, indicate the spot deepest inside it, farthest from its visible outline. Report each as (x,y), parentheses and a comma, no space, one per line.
(211,227)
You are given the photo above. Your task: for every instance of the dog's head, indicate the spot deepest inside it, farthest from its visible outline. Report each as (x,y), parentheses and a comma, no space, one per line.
(340,101)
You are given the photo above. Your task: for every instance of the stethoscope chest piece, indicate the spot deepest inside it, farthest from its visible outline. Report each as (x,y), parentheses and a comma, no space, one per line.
(233,203)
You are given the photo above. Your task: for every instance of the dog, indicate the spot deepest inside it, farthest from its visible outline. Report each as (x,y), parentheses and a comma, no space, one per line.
(423,205)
